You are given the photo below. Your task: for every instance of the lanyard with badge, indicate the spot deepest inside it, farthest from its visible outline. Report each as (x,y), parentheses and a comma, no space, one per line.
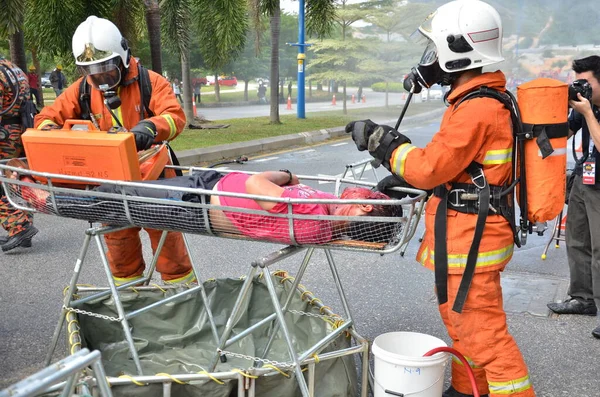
(589,166)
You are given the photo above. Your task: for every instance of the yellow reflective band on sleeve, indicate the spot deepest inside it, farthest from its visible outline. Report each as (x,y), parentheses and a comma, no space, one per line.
(511,386)
(172,126)
(484,259)
(471,363)
(118,114)
(399,158)
(501,156)
(46,122)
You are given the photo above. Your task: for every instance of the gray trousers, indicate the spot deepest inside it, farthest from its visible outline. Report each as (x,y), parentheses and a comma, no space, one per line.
(583,241)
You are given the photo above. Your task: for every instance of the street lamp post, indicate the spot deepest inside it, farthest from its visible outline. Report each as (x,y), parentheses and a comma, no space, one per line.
(301,103)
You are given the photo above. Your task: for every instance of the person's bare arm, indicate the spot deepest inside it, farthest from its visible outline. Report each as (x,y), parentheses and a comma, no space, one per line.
(270,184)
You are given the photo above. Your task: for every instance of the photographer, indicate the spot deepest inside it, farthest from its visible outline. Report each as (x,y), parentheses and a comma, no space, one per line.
(583,214)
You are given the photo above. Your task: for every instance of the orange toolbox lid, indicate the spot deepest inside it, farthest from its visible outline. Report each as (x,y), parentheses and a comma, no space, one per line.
(79,149)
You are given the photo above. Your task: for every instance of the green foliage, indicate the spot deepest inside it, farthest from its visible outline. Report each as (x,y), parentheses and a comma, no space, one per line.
(319,17)
(175,22)
(221,27)
(392,87)
(339,60)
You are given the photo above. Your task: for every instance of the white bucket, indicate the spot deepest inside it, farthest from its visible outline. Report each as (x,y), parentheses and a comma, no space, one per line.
(401,369)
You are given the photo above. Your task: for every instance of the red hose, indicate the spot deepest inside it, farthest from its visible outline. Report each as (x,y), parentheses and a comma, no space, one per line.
(462,359)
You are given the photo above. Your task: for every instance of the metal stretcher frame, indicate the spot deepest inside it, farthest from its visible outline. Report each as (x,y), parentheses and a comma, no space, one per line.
(413,207)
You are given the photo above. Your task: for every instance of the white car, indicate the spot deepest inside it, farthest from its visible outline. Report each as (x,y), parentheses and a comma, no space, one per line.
(45,80)
(432,93)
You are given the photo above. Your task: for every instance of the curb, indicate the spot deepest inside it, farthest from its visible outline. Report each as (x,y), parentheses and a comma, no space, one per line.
(247,148)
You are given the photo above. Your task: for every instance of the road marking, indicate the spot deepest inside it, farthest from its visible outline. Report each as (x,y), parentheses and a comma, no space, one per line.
(266,159)
(222,168)
(340,144)
(307,151)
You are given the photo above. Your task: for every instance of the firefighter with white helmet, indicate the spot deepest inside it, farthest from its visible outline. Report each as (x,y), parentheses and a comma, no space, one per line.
(467,242)
(112,93)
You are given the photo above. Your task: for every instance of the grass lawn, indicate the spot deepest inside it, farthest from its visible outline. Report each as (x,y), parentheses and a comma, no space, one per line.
(241,130)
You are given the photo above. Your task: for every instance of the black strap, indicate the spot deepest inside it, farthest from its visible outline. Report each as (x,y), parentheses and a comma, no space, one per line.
(440,247)
(559,130)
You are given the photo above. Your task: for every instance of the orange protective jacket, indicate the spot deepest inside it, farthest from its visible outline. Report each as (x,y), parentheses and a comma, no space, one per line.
(478,130)
(169,117)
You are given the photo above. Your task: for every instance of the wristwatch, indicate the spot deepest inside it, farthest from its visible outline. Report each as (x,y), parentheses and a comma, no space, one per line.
(290,175)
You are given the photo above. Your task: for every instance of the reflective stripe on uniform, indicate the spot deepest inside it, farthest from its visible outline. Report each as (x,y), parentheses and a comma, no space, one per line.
(45,123)
(500,156)
(471,363)
(556,152)
(118,114)
(399,158)
(172,126)
(511,386)
(484,259)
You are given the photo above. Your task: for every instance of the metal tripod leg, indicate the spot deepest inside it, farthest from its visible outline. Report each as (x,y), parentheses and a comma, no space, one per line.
(161,242)
(68,296)
(286,333)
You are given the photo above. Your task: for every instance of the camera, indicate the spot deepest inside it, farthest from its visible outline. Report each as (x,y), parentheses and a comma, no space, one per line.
(582,87)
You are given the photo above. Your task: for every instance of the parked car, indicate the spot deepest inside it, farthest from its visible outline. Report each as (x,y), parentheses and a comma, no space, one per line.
(262,80)
(199,80)
(433,93)
(45,79)
(228,80)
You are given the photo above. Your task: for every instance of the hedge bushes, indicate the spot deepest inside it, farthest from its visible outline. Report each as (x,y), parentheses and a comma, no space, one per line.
(392,87)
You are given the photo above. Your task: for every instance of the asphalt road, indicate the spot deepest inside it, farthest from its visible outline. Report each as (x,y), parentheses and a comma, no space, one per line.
(386,293)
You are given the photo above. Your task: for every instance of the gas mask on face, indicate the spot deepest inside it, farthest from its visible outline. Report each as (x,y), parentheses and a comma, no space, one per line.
(428,72)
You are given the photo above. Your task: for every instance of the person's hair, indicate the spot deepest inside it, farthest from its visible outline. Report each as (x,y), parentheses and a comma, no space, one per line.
(375,232)
(588,64)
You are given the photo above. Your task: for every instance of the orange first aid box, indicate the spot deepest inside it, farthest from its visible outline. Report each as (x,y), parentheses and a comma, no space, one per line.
(79,149)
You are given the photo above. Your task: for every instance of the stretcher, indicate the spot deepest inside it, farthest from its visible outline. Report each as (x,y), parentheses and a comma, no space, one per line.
(117,211)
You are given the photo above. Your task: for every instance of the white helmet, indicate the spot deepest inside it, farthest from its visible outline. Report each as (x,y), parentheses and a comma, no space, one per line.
(463,34)
(99,50)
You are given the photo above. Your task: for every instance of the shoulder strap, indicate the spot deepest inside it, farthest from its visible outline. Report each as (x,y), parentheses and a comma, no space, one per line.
(84,99)
(145,89)
(14,87)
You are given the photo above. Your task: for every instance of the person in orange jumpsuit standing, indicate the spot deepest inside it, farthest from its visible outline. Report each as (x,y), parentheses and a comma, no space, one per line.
(467,241)
(103,57)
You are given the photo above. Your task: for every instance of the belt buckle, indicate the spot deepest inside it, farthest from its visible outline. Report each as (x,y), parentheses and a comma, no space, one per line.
(456,194)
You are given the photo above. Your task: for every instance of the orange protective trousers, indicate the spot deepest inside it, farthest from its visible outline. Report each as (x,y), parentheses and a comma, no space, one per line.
(126,260)
(480,333)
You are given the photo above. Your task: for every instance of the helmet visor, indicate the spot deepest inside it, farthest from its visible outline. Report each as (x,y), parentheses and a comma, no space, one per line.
(104,75)
(430,55)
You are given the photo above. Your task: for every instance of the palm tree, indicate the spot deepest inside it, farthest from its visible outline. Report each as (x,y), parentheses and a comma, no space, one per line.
(152,12)
(11,27)
(319,21)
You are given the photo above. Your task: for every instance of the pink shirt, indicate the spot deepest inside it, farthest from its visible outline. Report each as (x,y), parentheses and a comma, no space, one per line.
(270,228)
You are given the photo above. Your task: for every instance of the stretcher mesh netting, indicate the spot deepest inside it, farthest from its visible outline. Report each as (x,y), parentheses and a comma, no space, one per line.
(194,213)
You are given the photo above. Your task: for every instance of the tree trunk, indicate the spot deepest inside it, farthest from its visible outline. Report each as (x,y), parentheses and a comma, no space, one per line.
(217,89)
(274,93)
(36,64)
(153,24)
(187,89)
(16,43)
(344,91)
(246,90)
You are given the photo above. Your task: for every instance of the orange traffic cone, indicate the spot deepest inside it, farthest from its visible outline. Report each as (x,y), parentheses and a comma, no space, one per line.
(289,103)
(333,100)
(364,98)
(353,99)
(194,107)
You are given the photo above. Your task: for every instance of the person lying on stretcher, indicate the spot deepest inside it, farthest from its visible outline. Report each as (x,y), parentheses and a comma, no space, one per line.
(257,226)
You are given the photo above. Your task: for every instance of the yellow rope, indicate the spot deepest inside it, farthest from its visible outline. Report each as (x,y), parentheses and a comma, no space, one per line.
(69,325)
(287,278)
(174,379)
(315,300)
(244,373)
(71,335)
(74,345)
(324,307)
(135,382)
(134,290)
(302,294)
(276,369)
(317,359)
(159,287)
(280,273)
(220,382)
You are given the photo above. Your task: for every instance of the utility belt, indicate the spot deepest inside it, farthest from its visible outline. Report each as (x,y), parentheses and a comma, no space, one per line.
(472,198)
(464,198)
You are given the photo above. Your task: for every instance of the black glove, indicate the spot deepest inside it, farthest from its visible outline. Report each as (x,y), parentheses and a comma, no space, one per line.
(380,140)
(144,133)
(386,184)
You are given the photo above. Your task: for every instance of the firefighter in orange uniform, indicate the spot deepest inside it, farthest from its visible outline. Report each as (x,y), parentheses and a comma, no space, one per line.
(103,57)
(467,241)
